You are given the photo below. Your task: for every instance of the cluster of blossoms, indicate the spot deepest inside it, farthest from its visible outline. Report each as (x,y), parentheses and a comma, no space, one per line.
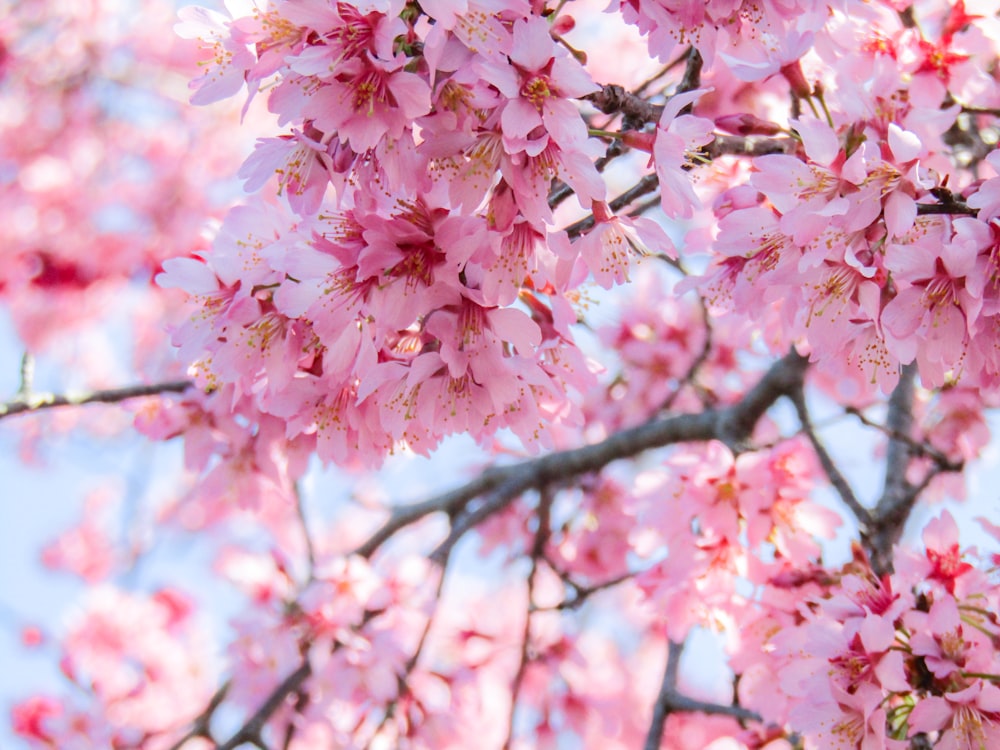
(869,244)
(422,239)
(861,661)
(412,280)
(85,225)
(143,660)
(713,518)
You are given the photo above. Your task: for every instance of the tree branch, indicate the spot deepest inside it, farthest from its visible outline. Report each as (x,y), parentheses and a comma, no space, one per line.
(613,98)
(839,482)
(30,402)
(662,707)
(669,701)
(537,554)
(897,499)
(739,145)
(250,731)
(500,485)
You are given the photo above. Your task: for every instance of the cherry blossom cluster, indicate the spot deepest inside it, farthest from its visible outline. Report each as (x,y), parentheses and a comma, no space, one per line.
(86,224)
(863,661)
(869,242)
(142,669)
(410,283)
(443,214)
(710,518)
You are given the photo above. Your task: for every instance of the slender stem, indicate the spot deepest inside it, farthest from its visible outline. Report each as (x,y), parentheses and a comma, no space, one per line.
(918,447)
(537,553)
(38,401)
(27,377)
(836,478)
(306,536)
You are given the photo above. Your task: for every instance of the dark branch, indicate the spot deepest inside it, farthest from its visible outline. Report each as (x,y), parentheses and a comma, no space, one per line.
(250,731)
(732,426)
(692,75)
(739,145)
(668,688)
(501,485)
(613,98)
(897,499)
(38,401)
(837,479)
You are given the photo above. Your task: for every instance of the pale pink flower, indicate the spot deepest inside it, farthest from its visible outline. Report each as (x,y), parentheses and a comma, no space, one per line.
(940,296)
(678,138)
(368,100)
(230,59)
(610,246)
(538,82)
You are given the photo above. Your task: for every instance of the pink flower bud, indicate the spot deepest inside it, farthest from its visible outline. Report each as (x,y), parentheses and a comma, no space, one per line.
(747,124)
(639,140)
(563,25)
(797,79)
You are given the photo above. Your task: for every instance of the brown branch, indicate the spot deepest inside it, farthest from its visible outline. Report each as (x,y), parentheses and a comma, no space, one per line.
(837,479)
(739,145)
(537,553)
(897,499)
(668,688)
(970,110)
(732,425)
(948,208)
(579,592)
(613,98)
(200,727)
(670,701)
(32,402)
(499,485)
(692,75)
(644,186)
(251,729)
(945,463)
(310,549)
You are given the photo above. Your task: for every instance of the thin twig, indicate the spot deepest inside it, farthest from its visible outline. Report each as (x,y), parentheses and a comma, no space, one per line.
(919,447)
(837,479)
(39,401)
(581,593)
(644,186)
(200,727)
(251,729)
(692,75)
(306,536)
(537,553)
(403,680)
(27,373)
(676,62)
(670,701)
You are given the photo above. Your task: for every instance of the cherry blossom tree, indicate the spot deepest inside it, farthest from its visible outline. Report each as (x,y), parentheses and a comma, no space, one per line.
(513,347)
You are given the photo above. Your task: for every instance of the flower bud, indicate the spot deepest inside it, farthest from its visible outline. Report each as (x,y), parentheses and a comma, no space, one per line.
(747,124)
